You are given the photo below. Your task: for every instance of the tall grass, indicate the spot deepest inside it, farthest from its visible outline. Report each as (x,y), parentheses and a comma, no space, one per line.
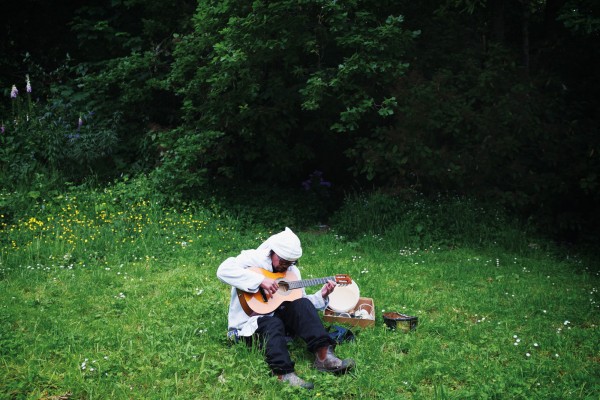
(417,221)
(104,294)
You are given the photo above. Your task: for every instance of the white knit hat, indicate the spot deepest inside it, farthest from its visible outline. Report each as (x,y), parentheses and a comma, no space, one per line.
(286,245)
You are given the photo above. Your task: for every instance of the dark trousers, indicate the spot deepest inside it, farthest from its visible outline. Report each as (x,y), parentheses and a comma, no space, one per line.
(296,318)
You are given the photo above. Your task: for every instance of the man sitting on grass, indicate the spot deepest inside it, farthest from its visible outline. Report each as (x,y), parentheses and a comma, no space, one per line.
(279,253)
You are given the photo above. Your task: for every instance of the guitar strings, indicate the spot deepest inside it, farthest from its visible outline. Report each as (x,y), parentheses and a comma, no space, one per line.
(309,282)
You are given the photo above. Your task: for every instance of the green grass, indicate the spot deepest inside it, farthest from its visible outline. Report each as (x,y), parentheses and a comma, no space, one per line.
(107,296)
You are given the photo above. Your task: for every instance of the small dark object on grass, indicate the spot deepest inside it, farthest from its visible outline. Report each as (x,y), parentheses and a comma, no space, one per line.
(403,322)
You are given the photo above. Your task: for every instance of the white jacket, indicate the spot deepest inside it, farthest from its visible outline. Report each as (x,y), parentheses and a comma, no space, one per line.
(234,271)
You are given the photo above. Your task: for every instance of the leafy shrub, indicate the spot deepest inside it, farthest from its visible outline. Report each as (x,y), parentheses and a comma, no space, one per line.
(52,137)
(179,174)
(268,88)
(485,130)
(24,197)
(411,219)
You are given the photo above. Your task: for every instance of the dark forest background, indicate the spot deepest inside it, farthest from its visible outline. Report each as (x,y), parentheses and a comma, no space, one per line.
(495,100)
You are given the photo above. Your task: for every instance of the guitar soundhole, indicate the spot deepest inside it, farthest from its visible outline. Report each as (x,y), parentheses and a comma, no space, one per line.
(283,286)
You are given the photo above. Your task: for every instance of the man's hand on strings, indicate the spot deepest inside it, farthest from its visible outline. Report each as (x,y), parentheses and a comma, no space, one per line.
(327,288)
(270,286)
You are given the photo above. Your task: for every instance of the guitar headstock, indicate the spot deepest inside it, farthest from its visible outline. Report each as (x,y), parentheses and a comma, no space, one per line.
(343,279)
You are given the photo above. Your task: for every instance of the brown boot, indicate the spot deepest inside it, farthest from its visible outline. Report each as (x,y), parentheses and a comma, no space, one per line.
(295,380)
(325,360)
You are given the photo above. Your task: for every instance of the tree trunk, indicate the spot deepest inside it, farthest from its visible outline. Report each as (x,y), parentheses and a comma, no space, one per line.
(497,34)
(525,34)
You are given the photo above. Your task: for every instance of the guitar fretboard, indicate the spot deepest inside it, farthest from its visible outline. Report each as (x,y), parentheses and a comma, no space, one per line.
(310,282)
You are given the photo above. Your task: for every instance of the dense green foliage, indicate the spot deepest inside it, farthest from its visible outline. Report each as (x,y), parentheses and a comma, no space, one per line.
(496,99)
(52,138)
(269,89)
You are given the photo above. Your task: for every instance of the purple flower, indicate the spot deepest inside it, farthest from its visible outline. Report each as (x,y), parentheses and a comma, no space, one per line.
(79,123)
(28,87)
(14,92)
(2,129)
(314,180)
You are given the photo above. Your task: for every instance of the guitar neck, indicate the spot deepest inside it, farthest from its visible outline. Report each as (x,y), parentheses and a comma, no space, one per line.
(310,282)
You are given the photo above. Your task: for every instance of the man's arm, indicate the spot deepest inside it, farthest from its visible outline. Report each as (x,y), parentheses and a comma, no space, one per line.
(234,272)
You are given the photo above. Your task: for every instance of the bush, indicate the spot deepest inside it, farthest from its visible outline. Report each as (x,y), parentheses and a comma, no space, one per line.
(52,137)
(411,219)
(271,90)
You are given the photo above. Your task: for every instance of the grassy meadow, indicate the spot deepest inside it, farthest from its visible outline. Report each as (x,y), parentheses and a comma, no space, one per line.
(105,295)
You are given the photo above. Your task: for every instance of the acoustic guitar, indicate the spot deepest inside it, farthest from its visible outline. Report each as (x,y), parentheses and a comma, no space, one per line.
(261,303)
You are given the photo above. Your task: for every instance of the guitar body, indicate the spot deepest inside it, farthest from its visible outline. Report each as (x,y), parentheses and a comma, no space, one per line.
(254,303)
